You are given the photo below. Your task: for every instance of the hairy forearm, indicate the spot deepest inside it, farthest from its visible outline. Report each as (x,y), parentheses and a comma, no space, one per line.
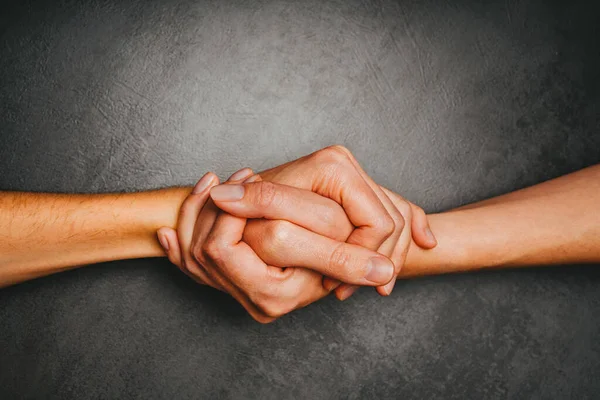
(43,233)
(555,222)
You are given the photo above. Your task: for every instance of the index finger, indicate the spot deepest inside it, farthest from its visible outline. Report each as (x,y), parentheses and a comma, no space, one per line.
(274,291)
(330,173)
(341,181)
(274,201)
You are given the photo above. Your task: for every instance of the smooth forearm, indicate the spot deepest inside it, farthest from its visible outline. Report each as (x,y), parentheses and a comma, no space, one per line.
(556,222)
(46,233)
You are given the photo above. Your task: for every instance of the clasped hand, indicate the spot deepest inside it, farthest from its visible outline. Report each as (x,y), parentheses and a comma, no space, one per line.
(282,239)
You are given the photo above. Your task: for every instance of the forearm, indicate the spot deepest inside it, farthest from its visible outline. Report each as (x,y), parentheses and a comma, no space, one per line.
(555,222)
(41,233)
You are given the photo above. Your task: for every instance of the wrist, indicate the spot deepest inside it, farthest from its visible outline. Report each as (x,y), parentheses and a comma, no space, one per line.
(151,211)
(468,239)
(450,255)
(56,232)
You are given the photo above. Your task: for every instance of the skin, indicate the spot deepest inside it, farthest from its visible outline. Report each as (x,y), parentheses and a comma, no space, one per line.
(342,179)
(43,233)
(551,223)
(217,255)
(246,260)
(555,222)
(48,233)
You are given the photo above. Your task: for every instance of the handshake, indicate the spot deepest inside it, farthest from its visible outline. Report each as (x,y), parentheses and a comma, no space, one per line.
(287,237)
(284,238)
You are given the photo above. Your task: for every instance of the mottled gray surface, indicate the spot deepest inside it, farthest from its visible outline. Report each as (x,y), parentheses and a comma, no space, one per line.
(445,102)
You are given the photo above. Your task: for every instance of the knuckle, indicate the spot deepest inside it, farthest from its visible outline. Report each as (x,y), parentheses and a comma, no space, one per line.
(404,208)
(337,225)
(212,249)
(342,150)
(385,224)
(267,195)
(406,213)
(271,308)
(256,233)
(399,221)
(262,319)
(279,275)
(257,314)
(340,259)
(198,253)
(332,155)
(273,302)
(279,232)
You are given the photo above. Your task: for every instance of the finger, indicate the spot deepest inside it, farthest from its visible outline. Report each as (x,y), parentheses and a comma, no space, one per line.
(287,244)
(169,236)
(387,247)
(419,226)
(245,276)
(403,218)
(190,209)
(330,284)
(329,173)
(202,225)
(389,244)
(253,178)
(168,240)
(381,195)
(401,244)
(361,204)
(207,217)
(225,246)
(374,189)
(302,207)
(257,286)
(404,242)
(281,202)
(185,228)
(303,287)
(343,293)
(421,231)
(240,175)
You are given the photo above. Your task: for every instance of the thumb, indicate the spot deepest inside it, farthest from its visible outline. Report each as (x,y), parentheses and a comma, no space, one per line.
(274,201)
(421,231)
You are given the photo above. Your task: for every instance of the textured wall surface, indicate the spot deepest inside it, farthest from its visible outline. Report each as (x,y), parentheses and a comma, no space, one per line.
(444,102)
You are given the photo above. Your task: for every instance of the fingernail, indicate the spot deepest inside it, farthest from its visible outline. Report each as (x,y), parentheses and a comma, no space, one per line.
(390,286)
(203,183)
(430,235)
(241,174)
(162,239)
(379,270)
(253,178)
(227,192)
(349,291)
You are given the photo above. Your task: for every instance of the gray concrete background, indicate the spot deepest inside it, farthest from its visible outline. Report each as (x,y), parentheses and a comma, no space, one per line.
(444,102)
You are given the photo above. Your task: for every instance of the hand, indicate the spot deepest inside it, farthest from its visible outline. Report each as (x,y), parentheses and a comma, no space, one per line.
(296,236)
(219,257)
(333,172)
(191,259)
(294,232)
